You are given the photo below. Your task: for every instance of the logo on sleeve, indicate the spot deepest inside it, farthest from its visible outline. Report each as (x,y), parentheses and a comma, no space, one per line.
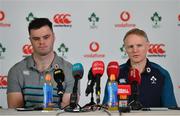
(26,72)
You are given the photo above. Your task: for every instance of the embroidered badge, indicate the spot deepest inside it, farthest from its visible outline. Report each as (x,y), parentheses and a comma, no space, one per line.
(26,72)
(153,80)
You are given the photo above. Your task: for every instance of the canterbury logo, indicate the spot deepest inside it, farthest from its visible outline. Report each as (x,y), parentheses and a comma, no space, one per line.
(3,81)
(156,49)
(27,49)
(62,19)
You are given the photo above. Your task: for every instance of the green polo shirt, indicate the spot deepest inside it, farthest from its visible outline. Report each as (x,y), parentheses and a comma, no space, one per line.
(25,78)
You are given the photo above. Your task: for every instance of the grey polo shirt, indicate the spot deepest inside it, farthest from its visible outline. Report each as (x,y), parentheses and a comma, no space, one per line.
(24,77)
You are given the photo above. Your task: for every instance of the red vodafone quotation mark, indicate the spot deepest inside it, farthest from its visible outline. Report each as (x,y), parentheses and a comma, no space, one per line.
(27,49)
(125,16)
(2,15)
(3,81)
(94,46)
(156,49)
(62,19)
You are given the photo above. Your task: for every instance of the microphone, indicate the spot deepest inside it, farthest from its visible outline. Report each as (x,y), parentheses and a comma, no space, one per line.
(77,72)
(90,89)
(113,69)
(90,83)
(112,86)
(134,76)
(97,71)
(59,78)
(124,91)
(135,80)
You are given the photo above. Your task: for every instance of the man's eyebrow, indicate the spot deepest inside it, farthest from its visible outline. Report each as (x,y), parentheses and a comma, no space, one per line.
(35,37)
(47,35)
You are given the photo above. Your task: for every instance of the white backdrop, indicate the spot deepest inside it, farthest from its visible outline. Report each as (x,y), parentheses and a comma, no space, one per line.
(113,18)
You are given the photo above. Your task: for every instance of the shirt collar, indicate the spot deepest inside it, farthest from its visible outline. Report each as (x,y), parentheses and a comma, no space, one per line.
(31,62)
(147,67)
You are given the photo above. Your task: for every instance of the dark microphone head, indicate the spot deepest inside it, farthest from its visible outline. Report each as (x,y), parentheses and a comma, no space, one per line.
(98,68)
(90,75)
(134,76)
(77,70)
(113,69)
(91,82)
(58,75)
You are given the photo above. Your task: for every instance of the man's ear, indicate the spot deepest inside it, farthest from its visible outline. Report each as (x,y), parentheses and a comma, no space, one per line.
(54,36)
(148,45)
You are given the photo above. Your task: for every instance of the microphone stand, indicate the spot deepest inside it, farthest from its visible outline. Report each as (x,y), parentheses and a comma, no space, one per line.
(72,107)
(90,89)
(60,92)
(91,104)
(135,103)
(98,90)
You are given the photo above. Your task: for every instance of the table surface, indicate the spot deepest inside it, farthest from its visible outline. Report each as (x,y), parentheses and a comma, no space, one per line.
(159,112)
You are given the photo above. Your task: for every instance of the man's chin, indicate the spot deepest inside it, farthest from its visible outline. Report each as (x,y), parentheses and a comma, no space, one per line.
(136,60)
(43,53)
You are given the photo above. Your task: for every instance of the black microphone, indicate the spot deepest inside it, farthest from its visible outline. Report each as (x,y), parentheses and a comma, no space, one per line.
(90,84)
(77,72)
(90,89)
(59,78)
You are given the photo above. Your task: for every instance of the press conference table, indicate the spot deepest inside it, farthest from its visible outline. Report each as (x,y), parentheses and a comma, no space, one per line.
(156,112)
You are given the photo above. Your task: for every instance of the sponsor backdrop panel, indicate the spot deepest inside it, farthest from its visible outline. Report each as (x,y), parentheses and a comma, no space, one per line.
(91,30)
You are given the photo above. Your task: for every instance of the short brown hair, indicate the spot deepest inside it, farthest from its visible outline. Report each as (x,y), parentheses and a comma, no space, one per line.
(136,31)
(38,23)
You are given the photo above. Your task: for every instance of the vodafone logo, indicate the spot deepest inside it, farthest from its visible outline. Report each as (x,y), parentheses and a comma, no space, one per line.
(94,46)
(62,19)
(27,49)
(179,17)
(3,81)
(156,49)
(2,15)
(125,16)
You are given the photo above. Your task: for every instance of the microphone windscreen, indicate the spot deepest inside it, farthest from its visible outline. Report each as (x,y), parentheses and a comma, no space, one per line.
(90,75)
(77,70)
(113,69)
(97,68)
(59,75)
(134,76)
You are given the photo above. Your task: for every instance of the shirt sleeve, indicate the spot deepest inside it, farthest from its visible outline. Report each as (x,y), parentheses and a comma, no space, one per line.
(168,98)
(13,81)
